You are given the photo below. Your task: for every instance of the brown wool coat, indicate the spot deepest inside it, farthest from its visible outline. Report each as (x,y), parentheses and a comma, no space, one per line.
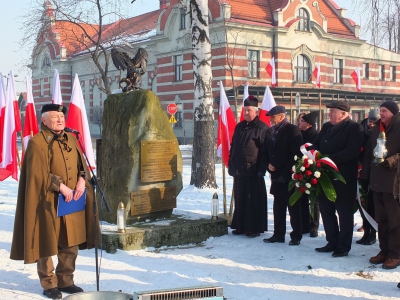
(37,227)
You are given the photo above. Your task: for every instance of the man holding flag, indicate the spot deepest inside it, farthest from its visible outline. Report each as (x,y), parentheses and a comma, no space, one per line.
(247,164)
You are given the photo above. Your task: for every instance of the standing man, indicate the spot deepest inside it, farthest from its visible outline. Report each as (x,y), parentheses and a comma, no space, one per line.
(340,139)
(309,132)
(284,141)
(381,177)
(369,236)
(247,164)
(53,165)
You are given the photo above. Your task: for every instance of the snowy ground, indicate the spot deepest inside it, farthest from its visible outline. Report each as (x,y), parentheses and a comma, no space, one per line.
(246,268)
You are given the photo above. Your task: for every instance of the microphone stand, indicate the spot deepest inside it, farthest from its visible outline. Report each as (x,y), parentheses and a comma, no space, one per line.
(94,182)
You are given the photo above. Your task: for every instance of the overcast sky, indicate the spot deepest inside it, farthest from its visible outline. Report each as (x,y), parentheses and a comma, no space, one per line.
(11,56)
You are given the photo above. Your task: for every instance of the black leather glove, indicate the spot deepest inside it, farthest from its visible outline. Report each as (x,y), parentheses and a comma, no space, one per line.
(260,174)
(281,180)
(385,164)
(364,184)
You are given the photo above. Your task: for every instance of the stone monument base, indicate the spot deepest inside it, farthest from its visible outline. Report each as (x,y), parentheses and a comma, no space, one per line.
(174,231)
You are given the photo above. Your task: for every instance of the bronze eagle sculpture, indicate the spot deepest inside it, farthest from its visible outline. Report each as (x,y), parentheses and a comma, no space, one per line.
(135,67)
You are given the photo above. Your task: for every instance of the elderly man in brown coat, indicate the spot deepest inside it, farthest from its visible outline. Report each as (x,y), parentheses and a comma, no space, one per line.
(381,178)
(53,164)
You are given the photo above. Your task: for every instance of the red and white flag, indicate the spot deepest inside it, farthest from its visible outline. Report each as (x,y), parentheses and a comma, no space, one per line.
(31,127)
(226,126)
(57,98)
(245,95)
(317,75)
(357,78)
(271,71)
(2,114)
(266,105)
(8,165)
(77,119)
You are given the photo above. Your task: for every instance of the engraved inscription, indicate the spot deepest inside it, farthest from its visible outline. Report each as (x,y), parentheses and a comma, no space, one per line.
(152,200)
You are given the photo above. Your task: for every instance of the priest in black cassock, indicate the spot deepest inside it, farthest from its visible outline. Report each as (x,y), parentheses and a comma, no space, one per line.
(247,164)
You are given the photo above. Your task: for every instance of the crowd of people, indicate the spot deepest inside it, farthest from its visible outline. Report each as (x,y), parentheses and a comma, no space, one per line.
(257,149)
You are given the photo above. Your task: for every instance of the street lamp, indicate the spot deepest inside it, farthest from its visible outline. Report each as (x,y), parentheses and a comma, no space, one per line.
(15,75)
(297,101)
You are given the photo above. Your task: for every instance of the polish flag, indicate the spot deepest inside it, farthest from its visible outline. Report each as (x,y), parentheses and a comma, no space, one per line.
(8,165)
(267,103)
(226,126)
(2,113)
(317,75)
(31,127)
(245,95)
(57,98)
(77,119)
(271,71)
(357,78)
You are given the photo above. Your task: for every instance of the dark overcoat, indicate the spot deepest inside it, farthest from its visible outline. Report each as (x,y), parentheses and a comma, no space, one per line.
(342,145)
(309,135)
(36,226)
(382,178)
(280,153)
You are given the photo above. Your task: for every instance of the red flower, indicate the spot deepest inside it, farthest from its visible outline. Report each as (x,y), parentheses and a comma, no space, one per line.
(302,189)
(318,165)
(314,181)
(308,173)
(299,176)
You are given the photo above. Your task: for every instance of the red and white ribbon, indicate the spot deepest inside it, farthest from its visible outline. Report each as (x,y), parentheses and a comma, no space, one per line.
(312,154)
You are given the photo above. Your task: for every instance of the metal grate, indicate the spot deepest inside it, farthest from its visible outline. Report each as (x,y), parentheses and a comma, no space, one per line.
(190,293)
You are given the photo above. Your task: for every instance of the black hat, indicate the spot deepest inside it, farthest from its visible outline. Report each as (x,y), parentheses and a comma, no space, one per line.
(373,115)
(392,106)
(311,118)
(251,101)
(279,109)
(54,107)
(342,105)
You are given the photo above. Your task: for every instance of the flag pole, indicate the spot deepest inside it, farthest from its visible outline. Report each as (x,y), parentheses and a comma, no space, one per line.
(224,187)
(16,150)
(232,198)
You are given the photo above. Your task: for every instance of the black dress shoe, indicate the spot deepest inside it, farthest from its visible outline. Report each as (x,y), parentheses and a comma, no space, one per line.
(313,233)
(363,239)
(236,232)
(398,285)
(326,248)
(340,253)
(274,239)
(370,241)
(53,293)
(72,289)
(252,235)
(294,242)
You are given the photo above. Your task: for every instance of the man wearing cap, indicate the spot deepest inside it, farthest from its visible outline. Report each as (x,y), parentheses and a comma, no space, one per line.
(340,139)
(53,164)
(247,164)
(283,143)
(369,236)
(309,132)
(381,178)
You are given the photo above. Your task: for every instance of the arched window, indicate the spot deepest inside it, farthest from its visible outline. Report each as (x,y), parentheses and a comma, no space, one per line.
(302,69)
(304,20)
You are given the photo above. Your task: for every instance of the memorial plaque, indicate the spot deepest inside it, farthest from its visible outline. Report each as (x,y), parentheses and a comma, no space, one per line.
(152,200)
(158,160)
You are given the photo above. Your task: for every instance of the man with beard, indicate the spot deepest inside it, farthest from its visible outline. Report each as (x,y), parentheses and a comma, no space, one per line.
(340,139)
(247,164)
(309,132)
(381,177)
(283,143)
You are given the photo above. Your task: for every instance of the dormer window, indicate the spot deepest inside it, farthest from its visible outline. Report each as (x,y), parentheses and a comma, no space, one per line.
(304,22)
(182,23)
(46,63)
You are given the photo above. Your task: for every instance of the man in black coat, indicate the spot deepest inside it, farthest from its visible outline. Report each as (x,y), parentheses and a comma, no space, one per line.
(247,164)
(283,143)
(309,132)
(341,140)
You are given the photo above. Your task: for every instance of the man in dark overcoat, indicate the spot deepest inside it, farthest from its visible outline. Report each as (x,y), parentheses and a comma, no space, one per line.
(381,177)
(247,164)
(309,132)
(53,164)
(283,143)
(340,139)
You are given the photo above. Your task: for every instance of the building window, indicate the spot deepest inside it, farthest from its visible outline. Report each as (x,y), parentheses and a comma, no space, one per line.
(252,57)
(41,87)
(302,69)
(178,61)
(182,22)
(381,72)
(392,73)
(338,70)
(304,20)
(366,70)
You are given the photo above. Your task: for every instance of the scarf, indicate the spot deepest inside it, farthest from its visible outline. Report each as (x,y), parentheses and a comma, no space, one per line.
(276,128)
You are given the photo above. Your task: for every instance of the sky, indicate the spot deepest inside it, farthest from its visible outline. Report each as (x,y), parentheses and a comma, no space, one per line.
(12,56)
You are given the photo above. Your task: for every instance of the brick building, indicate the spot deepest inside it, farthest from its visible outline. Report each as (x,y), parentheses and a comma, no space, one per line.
(246,35)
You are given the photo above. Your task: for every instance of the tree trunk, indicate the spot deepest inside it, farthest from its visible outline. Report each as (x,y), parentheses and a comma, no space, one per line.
(203,159)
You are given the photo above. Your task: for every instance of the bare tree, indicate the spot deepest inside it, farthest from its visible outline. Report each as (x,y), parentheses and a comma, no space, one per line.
(98,116)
